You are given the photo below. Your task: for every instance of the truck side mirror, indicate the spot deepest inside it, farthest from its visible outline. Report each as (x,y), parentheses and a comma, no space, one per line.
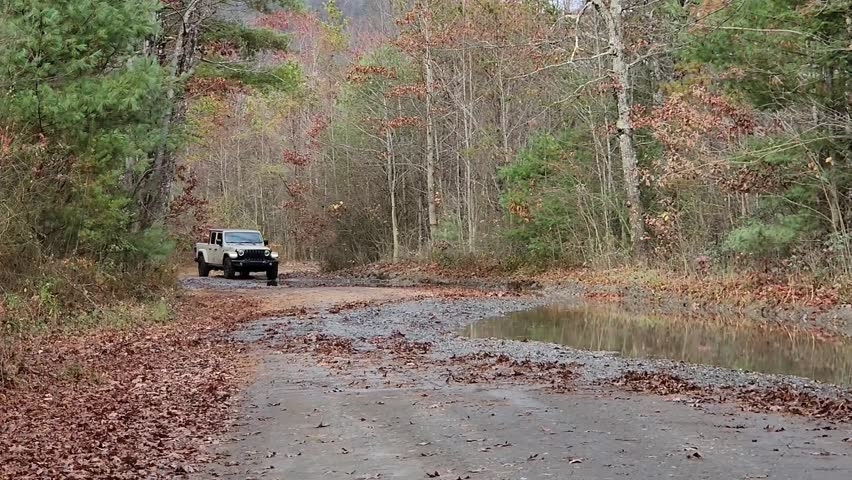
(266,243)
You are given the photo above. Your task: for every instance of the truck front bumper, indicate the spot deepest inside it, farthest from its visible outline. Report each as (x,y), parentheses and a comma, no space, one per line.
(254,264)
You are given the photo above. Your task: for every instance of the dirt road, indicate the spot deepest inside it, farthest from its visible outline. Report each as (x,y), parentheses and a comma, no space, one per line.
(374,383)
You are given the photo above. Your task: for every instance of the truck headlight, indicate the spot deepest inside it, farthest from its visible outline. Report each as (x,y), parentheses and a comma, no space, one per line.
(267,253)
(240,253)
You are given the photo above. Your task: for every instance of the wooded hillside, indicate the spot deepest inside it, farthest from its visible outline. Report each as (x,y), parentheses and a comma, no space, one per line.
(596,133)
(688,135)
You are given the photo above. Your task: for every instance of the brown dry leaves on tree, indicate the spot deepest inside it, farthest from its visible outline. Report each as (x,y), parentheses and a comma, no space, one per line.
(124,403)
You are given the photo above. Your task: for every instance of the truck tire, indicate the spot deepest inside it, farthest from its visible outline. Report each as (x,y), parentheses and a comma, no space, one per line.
(228,268)
(272,273)
(203,269)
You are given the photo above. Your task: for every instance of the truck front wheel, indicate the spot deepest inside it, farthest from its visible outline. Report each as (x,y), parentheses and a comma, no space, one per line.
(228,268)
(272,273)
(203,269)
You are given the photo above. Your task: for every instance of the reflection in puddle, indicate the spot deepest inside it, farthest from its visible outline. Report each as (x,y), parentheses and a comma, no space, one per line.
(742,347)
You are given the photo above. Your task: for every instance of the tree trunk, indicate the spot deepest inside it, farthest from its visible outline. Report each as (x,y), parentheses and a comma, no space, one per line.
(612,15)
(468,133)
(392,187)
(430,154)
(390,166)
(504,110)
(156,196)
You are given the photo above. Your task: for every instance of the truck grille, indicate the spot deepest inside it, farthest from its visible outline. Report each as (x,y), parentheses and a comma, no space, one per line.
(254,254)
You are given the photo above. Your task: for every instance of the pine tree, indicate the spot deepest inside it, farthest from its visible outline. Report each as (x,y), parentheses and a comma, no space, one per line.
(83,97)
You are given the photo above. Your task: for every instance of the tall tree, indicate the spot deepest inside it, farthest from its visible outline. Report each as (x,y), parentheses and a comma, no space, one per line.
(429,120)
(613,13)
(79,89)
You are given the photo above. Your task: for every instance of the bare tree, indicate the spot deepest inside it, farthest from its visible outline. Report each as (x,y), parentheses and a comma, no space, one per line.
(612,12)
(425,21)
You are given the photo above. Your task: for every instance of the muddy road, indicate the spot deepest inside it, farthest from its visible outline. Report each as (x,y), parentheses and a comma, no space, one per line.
(360,382)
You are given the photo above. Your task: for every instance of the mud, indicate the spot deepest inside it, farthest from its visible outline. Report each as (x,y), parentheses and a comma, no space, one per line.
(303,421)
(834,321)
(438,321)
(360,412)
(309,279)
(738,345)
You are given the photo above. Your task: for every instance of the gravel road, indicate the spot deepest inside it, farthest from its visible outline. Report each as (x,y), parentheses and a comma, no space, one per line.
(359,410)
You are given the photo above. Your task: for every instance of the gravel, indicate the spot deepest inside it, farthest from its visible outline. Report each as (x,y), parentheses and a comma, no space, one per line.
(439,321)
(309,279)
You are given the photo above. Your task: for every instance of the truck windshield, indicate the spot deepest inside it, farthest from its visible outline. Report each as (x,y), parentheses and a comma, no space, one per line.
(243,237)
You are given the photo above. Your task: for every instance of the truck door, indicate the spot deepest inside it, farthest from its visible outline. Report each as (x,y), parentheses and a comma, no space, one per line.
(216,249)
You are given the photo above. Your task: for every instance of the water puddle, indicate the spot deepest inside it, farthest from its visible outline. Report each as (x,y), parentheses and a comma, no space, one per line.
(746,347)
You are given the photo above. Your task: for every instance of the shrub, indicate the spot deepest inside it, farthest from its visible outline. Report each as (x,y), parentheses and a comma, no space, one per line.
(558,212)
(765,240)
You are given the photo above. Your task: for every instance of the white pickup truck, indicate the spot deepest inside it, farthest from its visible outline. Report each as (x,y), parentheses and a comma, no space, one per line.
(236,251)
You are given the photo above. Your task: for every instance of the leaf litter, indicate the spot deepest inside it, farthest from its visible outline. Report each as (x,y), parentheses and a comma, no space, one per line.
(152,398)
(782,398)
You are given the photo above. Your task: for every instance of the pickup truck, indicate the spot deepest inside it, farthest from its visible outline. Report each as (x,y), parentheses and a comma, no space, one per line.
(236,251)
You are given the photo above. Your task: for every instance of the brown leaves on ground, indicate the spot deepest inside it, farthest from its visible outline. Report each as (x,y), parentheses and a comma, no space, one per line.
(396,353)
(783,398)
(658,383)
(124,403)
(318,343)
(788,399)
(487,367)
(476,268)
(400,347)
(348,306)
(421,293)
